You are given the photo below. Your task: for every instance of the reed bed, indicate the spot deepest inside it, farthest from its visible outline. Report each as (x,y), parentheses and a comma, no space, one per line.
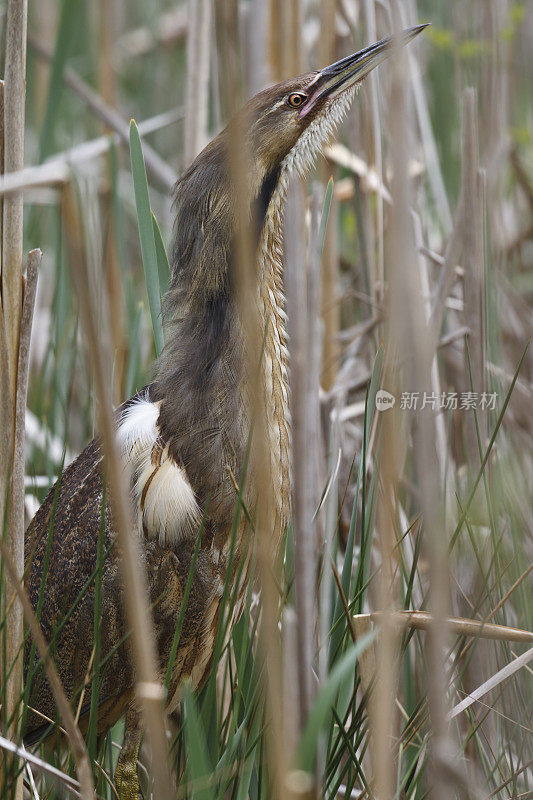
(388,651)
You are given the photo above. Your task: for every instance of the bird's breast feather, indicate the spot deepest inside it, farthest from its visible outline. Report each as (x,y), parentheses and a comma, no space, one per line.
(164,501)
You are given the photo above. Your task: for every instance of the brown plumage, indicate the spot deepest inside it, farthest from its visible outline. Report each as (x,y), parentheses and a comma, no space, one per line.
(184,434)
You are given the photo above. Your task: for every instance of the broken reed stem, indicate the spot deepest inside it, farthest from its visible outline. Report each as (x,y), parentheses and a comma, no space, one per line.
(157,168)
(149,690)
(197,86)
(423,620)
(76,741)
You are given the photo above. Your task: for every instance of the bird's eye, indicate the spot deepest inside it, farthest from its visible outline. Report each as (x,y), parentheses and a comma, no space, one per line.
(296,99)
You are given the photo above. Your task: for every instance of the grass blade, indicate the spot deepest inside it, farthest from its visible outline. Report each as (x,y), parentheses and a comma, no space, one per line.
(146,234)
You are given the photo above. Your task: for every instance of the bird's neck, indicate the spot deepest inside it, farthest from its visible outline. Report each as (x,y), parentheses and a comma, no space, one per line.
(275,359)
(201,382)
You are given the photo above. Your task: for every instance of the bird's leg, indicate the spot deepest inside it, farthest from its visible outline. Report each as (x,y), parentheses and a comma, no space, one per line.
(126,777)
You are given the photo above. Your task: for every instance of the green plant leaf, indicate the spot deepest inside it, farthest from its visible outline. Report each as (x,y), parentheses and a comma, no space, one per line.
(163,266)
(146,234)
(199,767)
(322,706)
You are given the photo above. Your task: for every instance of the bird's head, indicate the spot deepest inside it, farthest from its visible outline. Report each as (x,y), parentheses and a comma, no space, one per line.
(289,123)
(280,129)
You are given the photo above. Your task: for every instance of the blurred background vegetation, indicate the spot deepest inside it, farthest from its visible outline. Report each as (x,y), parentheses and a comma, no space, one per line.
(92,65)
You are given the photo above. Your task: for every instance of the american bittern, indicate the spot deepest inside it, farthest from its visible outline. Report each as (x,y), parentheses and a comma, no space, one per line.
(185,434)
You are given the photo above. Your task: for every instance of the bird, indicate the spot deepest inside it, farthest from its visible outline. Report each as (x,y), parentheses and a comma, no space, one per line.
(184,437)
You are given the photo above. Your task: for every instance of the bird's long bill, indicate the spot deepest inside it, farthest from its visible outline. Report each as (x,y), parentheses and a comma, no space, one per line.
(339,76)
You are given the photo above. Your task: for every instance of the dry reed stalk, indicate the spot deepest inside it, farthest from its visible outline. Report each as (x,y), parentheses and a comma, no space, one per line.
(16,522)
(257,65)
(446,279)
(157,168)
(291,726)
(302,288)
(392,437)
(105,29)
(11,292)
(304,425)
(6,449)
(43,766)
(106,66)
(494,681)
(259,467)
(15,517)
(473,264)
(300,786)
(443,457)
(2,148)
(330,298)
(367,659)
(377,278)
(275,41)
(58,169)
(197,85)
(43,19)
(430,467)
(148,688)
(290,18)
(419,348)
(329,274)
(14,118)
(431,154)
(423,620)
(5,408)
(339,154)
(381,704)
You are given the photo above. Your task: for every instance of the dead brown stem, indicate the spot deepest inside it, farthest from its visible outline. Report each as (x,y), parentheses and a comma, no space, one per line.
(422,621)
(11,294)
(197,86)
(148,688)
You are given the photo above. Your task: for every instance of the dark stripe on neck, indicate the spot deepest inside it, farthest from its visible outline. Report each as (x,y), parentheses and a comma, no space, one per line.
(262,201)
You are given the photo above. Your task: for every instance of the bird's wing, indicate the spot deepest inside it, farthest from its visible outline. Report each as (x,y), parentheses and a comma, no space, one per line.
(61,553)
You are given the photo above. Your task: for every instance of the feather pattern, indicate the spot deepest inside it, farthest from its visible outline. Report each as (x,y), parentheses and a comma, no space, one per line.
(163,498)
